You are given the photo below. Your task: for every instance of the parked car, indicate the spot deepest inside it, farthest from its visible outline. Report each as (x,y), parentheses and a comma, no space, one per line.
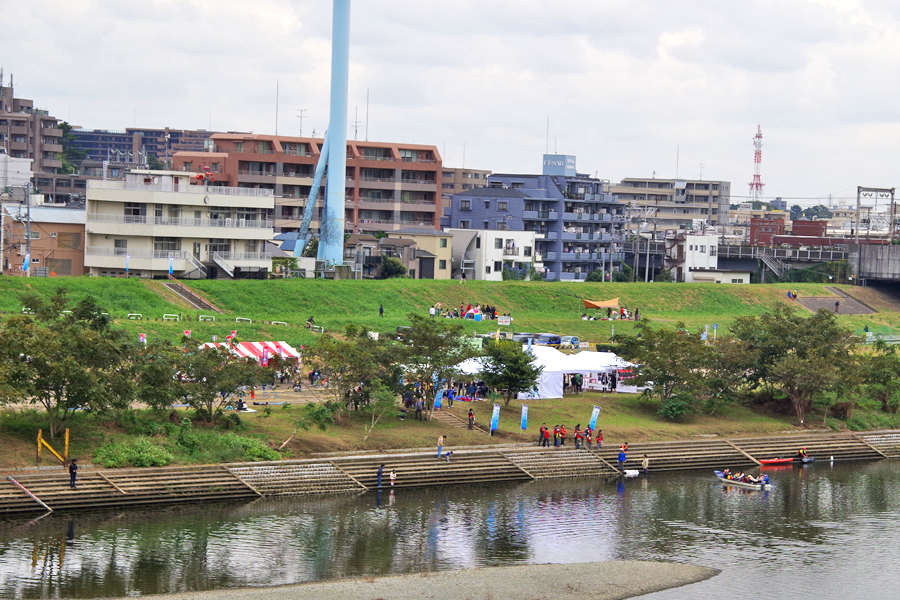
(548,339)
(569,341)
(402,331)
(523,337)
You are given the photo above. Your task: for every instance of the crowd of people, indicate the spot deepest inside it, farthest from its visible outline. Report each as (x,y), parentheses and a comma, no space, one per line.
(559,435)
(466,311)
(614,314)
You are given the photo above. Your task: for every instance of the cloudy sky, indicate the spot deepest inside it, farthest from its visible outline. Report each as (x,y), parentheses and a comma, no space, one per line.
(631,87)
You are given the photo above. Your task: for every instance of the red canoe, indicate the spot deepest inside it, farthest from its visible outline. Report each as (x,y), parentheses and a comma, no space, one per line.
(775,461)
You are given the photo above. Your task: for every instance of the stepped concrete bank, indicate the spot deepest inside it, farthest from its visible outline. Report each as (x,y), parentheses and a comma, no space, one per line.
(42,490)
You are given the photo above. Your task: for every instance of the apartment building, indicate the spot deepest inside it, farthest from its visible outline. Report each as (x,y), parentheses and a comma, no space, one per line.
(57,239)
(158,222)
(482,254)
(102,144)
(677,203)
(573,216)
(455,181)
(434,250)
(388,186)
(29,132)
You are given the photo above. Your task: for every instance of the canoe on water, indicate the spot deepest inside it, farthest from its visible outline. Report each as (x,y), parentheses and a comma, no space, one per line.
(749,486)
(775,461)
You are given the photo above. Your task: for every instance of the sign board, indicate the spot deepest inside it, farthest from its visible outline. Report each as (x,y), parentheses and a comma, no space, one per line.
(504,321)
(559,164)
(584,345)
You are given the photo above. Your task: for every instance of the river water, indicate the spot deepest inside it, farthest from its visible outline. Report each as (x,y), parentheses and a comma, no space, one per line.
(824,531)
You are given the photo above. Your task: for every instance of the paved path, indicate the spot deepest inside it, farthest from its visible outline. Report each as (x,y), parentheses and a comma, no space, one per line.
(849,305)
(596,581)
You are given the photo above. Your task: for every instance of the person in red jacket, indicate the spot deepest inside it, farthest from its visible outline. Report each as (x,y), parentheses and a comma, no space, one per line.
(579,436)
(546,440)
(562,435)
(599,439)
(588,436)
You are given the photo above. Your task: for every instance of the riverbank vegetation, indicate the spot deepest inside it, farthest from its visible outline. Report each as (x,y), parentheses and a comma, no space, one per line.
(83,362)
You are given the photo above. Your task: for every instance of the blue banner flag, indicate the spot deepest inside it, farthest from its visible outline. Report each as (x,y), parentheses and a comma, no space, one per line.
(495,418)
(27,263)
(171,263)
(524,416)
(594,416)
(438,398)
(127,258)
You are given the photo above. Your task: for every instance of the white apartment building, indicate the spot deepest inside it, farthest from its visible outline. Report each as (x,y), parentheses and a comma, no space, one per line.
(694,259)
(482,253)
(157,222)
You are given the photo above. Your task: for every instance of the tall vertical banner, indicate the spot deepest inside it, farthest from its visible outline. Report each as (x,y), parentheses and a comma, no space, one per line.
(524,416)
(171,263)
(594,415)
(27,263)
(127,258)
(495,418)
(438,398)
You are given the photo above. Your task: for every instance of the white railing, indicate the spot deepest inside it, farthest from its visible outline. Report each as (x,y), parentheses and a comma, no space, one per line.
(220,260)
(195,262)
(153,254)
(181,221)
(219,190)
(244,256)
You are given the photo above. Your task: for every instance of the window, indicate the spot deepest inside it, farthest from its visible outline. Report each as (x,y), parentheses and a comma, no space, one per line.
(188,166)
(498,266)
(465,205)
(487,205)
(463,224)
(478,242)
(442,265)
(443,243)
(498,243)
(166,244)
(487,225)
(737,281)
(69,240)
(487,270)
(35,235)
(239,146)
(703,249)
(517,185)
(501,205)
(121,247)
(713,250)
(135,210)
(526,251)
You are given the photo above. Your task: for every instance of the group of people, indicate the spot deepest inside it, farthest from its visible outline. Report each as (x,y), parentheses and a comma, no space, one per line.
(612,314)
(744,477)
(559,434)
(465,311)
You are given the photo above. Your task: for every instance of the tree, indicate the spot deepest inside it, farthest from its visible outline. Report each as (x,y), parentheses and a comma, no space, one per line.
(802,378)
(391,267)
(594,276)
(818,212)
(622,276)
(64,357)
(433,348)
(381,402)
(506,366)
(73,154)
(665,276)
(154,163)
(882,376)
(674,362)
(796,212)
(209,375)
(311,250)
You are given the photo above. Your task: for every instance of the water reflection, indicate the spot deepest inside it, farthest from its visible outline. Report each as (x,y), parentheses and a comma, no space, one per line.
(823,520)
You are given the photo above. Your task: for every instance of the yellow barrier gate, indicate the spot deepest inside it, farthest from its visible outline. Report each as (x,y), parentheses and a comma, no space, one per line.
(41,443)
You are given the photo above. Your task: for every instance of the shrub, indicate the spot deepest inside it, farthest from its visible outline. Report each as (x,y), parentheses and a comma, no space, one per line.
(252,449)
(136,453)
(186,438)
(677,408)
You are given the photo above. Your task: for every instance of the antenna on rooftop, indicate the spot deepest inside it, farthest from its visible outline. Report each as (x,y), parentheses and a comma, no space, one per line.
(756,186)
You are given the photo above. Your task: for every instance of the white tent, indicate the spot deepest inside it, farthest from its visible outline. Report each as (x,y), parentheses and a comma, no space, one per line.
(555,366)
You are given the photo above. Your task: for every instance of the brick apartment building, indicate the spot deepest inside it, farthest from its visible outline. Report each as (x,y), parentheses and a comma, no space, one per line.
(389,186)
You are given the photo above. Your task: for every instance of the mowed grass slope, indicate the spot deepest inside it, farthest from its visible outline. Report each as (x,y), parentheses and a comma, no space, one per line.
(535,306)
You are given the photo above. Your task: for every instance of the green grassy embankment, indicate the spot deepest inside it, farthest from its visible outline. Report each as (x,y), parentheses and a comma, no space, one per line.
(536,307)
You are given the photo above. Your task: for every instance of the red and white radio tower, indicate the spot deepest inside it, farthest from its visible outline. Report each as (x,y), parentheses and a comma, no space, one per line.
(756,187)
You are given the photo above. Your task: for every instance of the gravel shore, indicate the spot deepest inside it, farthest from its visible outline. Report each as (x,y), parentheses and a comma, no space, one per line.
(597,581)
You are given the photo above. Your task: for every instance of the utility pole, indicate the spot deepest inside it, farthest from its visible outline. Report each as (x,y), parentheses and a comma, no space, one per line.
(27,264)
(647,265)
(300,116)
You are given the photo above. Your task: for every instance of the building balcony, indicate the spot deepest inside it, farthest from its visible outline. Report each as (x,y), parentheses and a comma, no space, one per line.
(540,215)
(551,256)
(256,173)
(580,256)
(165,192)
(236,223)
(51,163)
(511,251)
(567,276)
(366,200)
(379,179)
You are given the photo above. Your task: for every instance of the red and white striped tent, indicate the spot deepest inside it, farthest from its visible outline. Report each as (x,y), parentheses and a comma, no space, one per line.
(258,349)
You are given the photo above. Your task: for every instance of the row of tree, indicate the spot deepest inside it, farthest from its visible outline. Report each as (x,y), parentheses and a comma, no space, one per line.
(811,360)
(66,357)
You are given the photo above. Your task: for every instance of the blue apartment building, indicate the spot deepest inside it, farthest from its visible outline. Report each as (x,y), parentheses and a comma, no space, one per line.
(576,218)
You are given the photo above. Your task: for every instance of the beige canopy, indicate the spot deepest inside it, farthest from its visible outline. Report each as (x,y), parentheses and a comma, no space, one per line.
(614,303)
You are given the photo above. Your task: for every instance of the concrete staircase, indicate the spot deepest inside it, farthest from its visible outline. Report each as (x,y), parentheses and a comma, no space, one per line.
(546,464)
(418,470)
(886,442)
(451,420)
(822,447)
(285,479)
(190,296)
(118,487)
(674,456)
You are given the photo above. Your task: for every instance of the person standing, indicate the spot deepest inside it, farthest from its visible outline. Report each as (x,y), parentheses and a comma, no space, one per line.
(73,473)
(393,477)
(599,439)
(471,418)
(381,310)
(378,475)
(613,381)
(440,445)
(588,436)
(562,435)
(622,457)
(578,437)
(450,397)
(431,312)
(541,434)
(645,464)
(546,440)
(462,278)
(837,305)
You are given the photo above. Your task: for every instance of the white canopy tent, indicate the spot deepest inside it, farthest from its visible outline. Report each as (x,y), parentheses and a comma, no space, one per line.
(555,366)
